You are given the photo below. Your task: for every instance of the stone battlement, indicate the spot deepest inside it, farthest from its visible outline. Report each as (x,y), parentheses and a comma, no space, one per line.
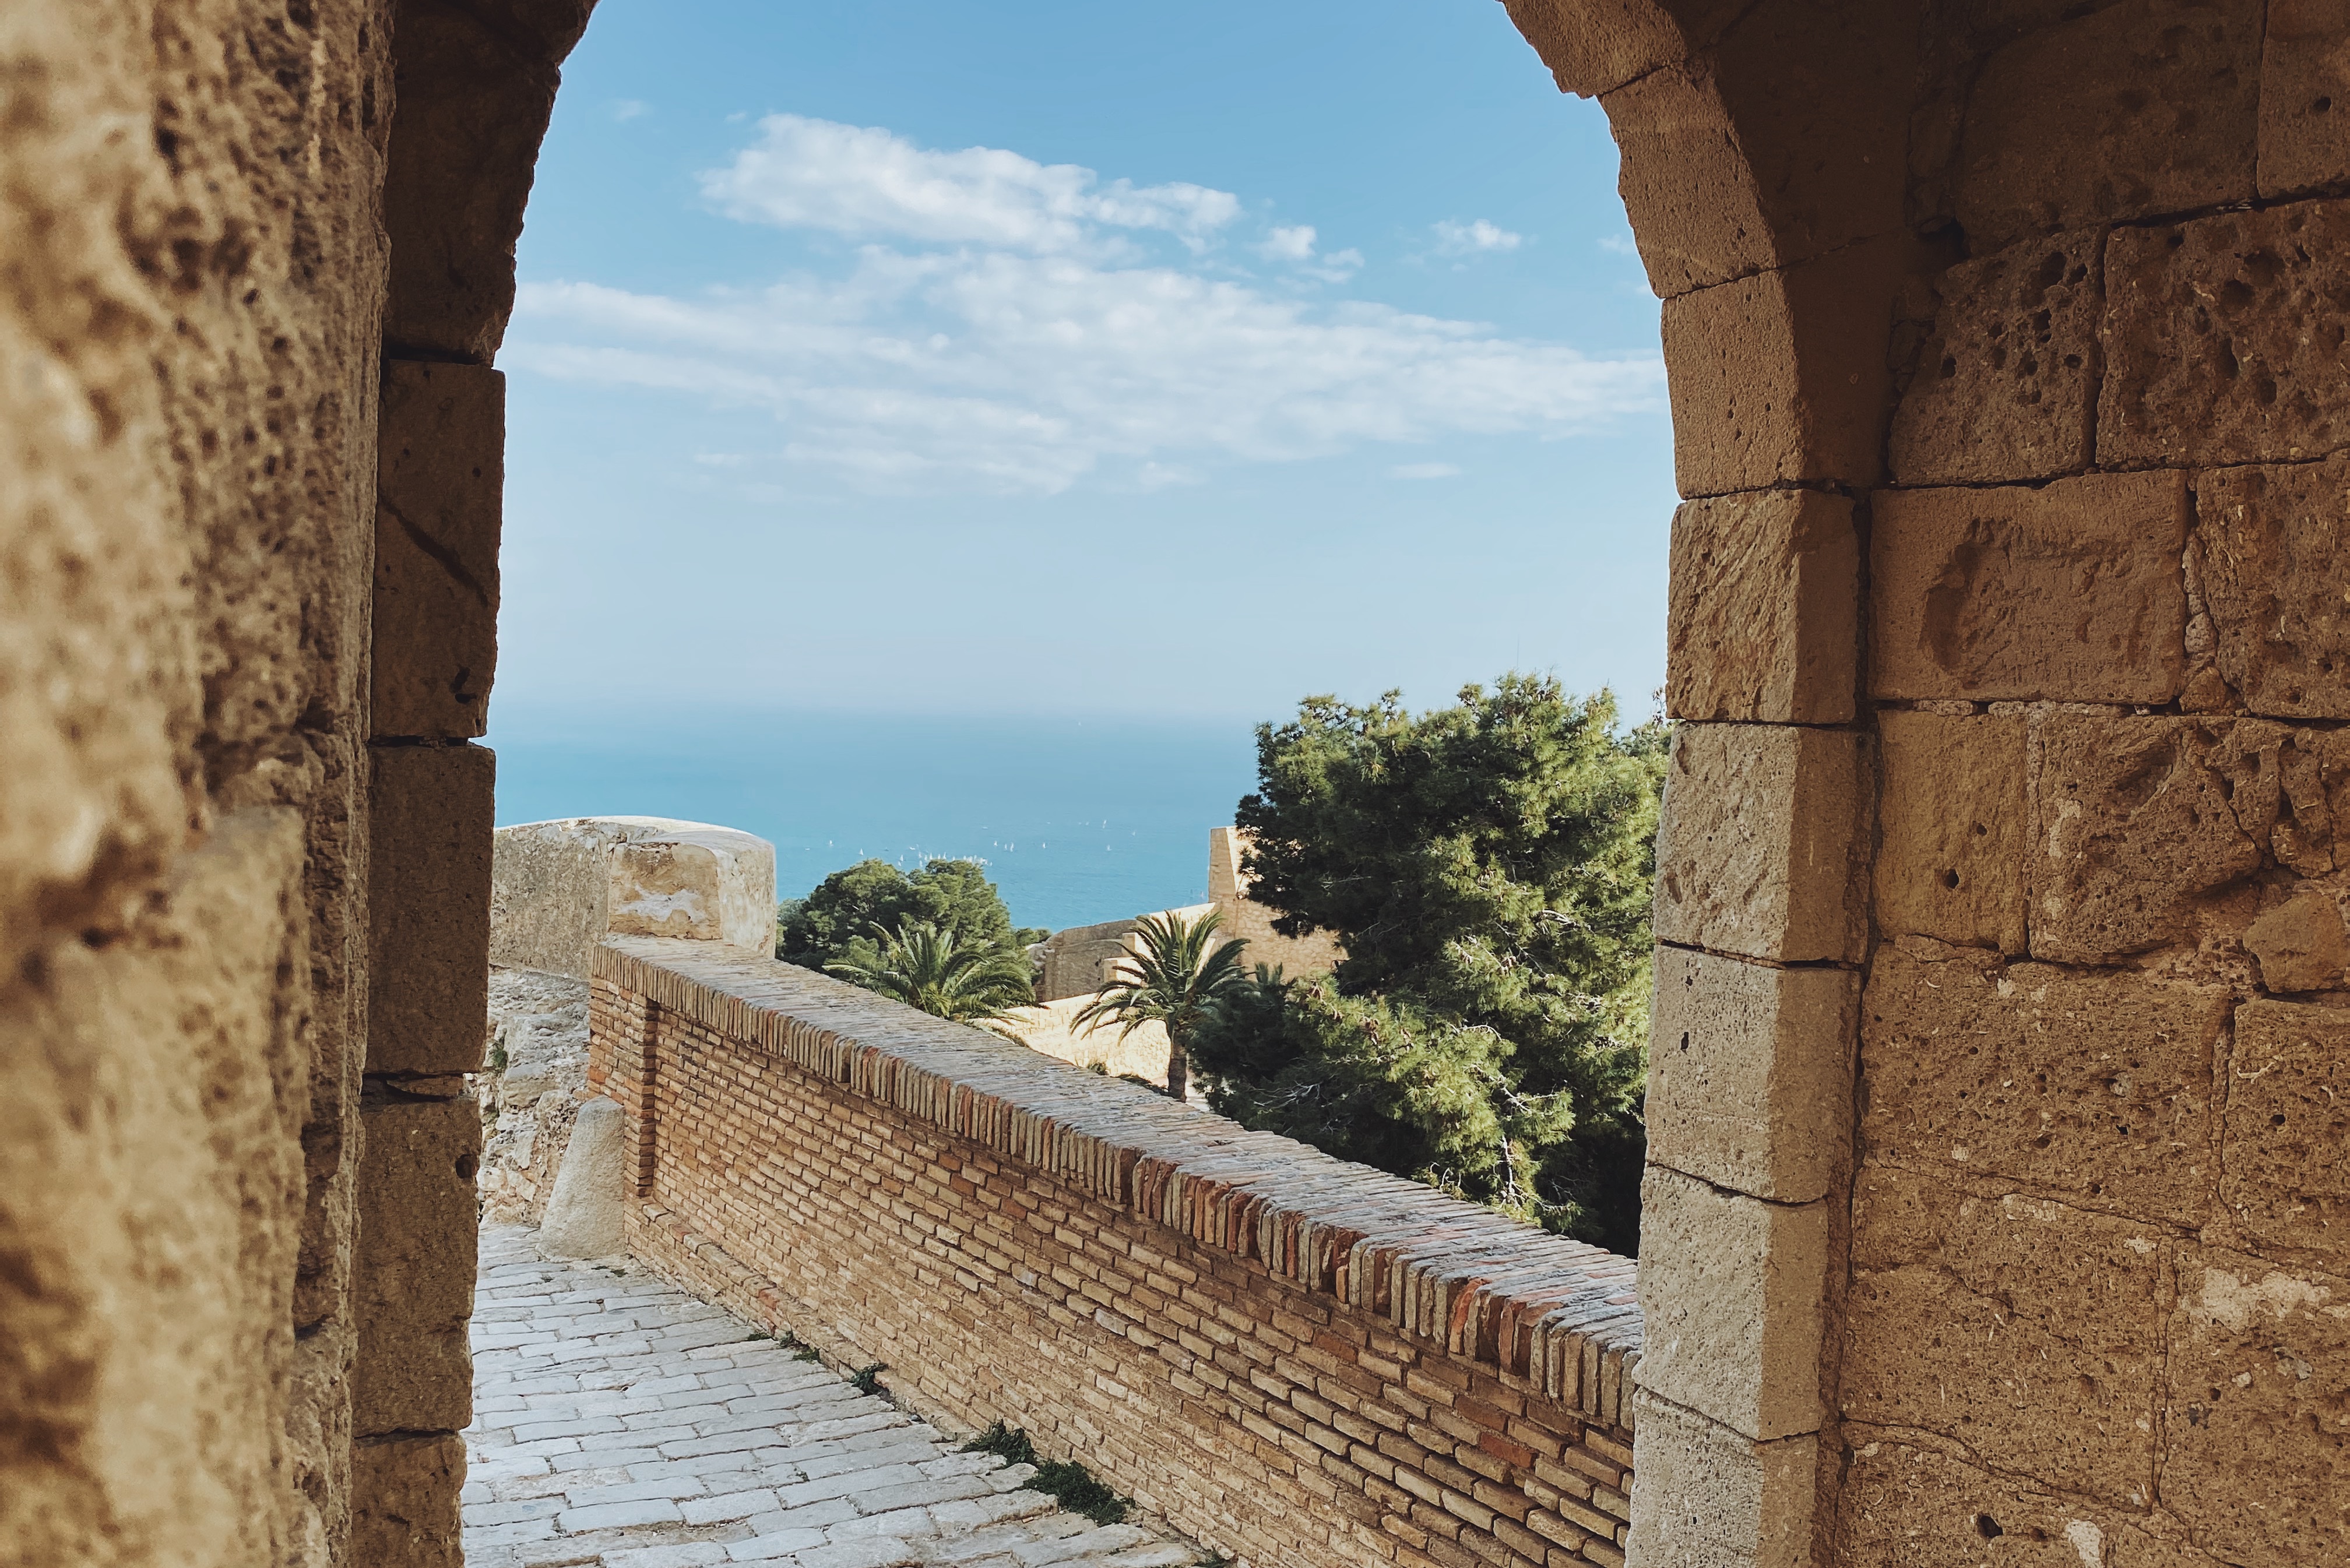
(1216,1320)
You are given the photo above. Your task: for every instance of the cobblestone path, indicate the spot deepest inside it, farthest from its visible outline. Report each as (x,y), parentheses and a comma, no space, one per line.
(621,1422)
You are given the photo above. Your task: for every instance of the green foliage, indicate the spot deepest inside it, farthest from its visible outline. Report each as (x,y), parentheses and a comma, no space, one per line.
(867,1379)
(925,966)
(1070,1484)
(1009,1442)
(1488,868)
(1176,980)
(836,921)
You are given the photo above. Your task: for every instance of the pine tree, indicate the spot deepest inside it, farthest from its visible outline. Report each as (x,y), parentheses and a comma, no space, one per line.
(1488,868)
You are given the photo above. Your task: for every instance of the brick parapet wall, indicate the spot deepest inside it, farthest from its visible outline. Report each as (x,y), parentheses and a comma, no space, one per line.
(1296,1359)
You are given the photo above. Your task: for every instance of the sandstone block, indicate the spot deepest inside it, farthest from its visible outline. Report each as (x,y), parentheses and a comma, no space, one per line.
(1594,45)
(2259,1358)
(404,1502)
(1764,620)
(1750,1073)
(1780,377)
(2027,1331)
(2005,382)
(414,1290)
(558,888)
(2141,108)
(2073,592)
(1953,824)
(1907,1503)
(2304,136)
(2285,1134)
(2137,825)
(1705,1497)
(2095,1084)
(2224,338)
(583,1217)
(1755,853)
(472,97)
(440,489)
(1767,151)
(2276,583)
(428,906)
(1731,1294)
(2301,944)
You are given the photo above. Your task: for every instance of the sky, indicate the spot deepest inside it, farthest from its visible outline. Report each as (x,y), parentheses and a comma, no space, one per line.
(918,357)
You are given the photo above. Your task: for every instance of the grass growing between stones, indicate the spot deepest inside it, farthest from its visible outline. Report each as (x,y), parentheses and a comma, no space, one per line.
(1069,1483)
(867,1378)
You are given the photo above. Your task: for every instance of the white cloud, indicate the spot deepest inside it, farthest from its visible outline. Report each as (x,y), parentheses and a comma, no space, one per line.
(1295,245)
(627,109)
(1424,470)
(1290,244)
(1454,239)
(1618,244)
(866,183)
(1012,339)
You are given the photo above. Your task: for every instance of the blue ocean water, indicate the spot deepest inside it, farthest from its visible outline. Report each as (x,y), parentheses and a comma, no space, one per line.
(1079,821)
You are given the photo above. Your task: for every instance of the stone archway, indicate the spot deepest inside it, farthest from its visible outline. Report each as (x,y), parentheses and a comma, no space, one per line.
(2006,347)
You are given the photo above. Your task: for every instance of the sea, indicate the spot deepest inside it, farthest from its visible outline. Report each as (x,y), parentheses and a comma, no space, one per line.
(1077,821)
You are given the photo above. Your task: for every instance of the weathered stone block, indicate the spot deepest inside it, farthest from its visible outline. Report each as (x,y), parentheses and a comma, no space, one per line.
(414,1291)
(1764,623)
(404,1502)
(2006,383)
(2073,591)
(428,906)
(2268,547)
(2141,108)
(1780,377)
(2028,1331)
(1768,151)
(473,90)
(2137,824)
(2305,135)
(1704,1497)
(1755,855)
(558,888)
(1904,1503)
(2301,944)
(584,1213)
(1731,1294)
(440,489)
(1953,827)
(2285,1133)
(1750,1074)
(1595,46)
(2224,338)
(2095,1084)
(2256,1431)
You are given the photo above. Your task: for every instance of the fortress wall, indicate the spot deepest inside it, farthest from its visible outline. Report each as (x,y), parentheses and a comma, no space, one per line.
(1995,1124)
(1291,1358)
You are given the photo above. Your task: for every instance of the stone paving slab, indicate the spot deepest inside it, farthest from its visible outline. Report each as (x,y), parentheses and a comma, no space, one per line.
(620,1423)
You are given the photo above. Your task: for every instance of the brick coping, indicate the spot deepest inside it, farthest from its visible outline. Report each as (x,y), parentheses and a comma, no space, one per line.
(1552,1316)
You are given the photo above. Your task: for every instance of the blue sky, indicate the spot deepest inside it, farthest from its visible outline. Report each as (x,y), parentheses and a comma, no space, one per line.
(907,357)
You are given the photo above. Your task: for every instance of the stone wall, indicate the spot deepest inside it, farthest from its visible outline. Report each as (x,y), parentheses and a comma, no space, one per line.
(557,890)
(248,601)
(1993,1211)
(187,425)
(1078,961)
(1292,1359)
(1318,952)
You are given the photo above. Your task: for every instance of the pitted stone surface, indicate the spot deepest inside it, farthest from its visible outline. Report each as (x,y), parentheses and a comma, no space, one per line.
(620,1422)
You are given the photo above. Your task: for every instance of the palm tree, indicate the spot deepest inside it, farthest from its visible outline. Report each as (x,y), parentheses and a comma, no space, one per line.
(926,966)
(1180,974)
